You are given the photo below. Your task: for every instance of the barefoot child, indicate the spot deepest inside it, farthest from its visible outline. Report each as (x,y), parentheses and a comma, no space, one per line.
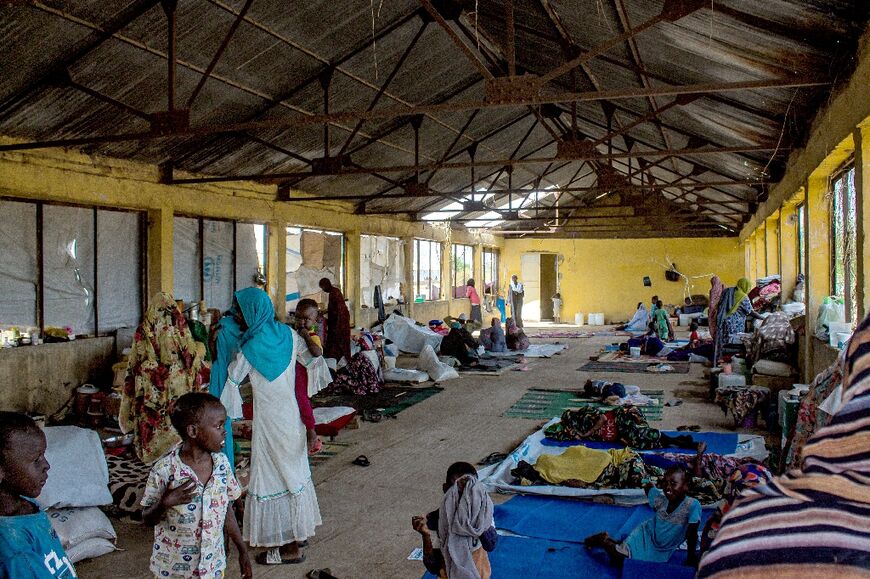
(463,525)
(29,546)
(189,496)
(306,322)
(677,517)
(557,308)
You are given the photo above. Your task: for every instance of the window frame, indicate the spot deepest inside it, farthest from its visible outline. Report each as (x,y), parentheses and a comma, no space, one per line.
(430,243)
(800,235)
(494,256)
(839,228)
(142,223)
(201,219)
(467,268)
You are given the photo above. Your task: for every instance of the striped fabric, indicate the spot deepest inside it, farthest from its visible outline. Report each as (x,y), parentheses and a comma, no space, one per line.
(813,522)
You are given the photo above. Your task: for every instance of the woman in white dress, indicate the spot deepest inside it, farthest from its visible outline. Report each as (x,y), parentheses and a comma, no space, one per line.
(281,509)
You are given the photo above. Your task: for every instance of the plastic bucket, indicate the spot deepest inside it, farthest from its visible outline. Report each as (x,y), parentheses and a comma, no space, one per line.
(578,319)
(634,351)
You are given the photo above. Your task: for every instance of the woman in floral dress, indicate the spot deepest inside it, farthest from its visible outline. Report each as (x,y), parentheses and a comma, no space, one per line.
(165,362)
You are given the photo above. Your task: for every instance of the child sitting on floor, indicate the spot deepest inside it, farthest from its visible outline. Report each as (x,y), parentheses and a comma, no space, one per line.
(694,338)
(29,546)
(189,496)
(312,371)
(463,525)
(677,517)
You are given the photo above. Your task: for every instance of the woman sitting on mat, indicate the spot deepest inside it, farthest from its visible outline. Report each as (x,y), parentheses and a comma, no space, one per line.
(515,336)
(459,344)
(623,424)
(639,321)
(492,338)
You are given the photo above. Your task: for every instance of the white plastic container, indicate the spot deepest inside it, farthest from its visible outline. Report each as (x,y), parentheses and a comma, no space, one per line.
(596,319)
(578,319)
(835,328)
(732,380)
(634,351)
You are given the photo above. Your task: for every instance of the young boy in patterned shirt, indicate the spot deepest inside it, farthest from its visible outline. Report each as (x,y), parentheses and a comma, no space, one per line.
(189,496)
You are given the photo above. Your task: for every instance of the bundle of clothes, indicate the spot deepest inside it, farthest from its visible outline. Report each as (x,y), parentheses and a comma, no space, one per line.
(766,295)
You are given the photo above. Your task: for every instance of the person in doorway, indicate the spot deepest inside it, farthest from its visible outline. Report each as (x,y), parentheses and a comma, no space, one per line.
(463,525)
(165,363)
(29,546)
(189,496)
(471,294)
(337,344)
(557,308)
(516,293)
(676,519)
(281,509)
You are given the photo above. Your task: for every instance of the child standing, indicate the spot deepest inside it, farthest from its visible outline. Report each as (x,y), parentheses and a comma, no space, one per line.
(29,546)
(306,327)
(676,518)
(557,308)
(463,525)
(189,496)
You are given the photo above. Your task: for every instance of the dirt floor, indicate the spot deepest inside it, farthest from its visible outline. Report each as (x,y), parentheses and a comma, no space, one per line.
(367,512)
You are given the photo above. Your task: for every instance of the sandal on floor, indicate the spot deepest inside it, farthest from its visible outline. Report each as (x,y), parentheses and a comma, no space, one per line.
(318,446)
(320,574)
(273,557)
(361,460)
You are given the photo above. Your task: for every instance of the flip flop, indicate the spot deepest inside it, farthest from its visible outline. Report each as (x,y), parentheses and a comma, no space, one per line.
(361,460)
(320,574)
(268,558)
(318,446)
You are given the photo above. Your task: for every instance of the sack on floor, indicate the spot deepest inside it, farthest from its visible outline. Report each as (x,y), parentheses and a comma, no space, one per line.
(79,476)
(772,368)
(405,375)
(90,549)
(437,370)
(408,336)
(76,525)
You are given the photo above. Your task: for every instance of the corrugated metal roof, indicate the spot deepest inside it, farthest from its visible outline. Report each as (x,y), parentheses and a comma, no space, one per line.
(269,72)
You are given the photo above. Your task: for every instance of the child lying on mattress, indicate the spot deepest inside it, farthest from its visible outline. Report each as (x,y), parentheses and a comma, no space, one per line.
(676,518)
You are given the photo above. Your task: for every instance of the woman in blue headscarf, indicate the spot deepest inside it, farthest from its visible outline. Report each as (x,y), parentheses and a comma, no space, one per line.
(281,507)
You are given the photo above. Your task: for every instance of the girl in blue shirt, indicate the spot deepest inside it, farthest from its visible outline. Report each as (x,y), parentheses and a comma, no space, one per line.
(29,546)
(677,517)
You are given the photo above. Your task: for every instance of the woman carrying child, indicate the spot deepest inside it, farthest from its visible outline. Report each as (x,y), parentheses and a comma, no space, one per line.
(29,546)
(281,507)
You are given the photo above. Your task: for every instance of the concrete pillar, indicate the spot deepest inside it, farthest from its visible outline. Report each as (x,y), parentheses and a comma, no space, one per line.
(353,289)
(160,256)
(817,249)
(760,254)
(771,244)
(788,251)
(276,268)
(862,198)
(408,281)
(751,257)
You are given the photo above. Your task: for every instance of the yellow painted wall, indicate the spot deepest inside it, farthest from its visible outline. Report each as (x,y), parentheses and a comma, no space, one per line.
(606,275)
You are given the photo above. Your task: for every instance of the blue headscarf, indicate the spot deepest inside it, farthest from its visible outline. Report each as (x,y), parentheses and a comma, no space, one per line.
(228,339)
(267,343)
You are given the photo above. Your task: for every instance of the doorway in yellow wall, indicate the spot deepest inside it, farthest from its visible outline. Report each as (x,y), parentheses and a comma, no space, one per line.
(539,274)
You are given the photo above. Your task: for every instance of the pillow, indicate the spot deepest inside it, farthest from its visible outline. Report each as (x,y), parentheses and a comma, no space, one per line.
(79,476)
(771,368)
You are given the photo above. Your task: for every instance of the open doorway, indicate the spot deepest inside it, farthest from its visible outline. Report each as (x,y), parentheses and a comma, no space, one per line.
(548,284)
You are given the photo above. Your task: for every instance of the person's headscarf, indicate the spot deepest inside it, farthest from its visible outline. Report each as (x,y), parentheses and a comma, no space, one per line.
(741,291)
(267,343)
(742,478)
(464,516)
(510,326)
(716,289)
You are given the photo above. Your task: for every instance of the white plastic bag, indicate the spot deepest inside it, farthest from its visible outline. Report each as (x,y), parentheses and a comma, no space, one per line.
(833,309)
(437,370)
